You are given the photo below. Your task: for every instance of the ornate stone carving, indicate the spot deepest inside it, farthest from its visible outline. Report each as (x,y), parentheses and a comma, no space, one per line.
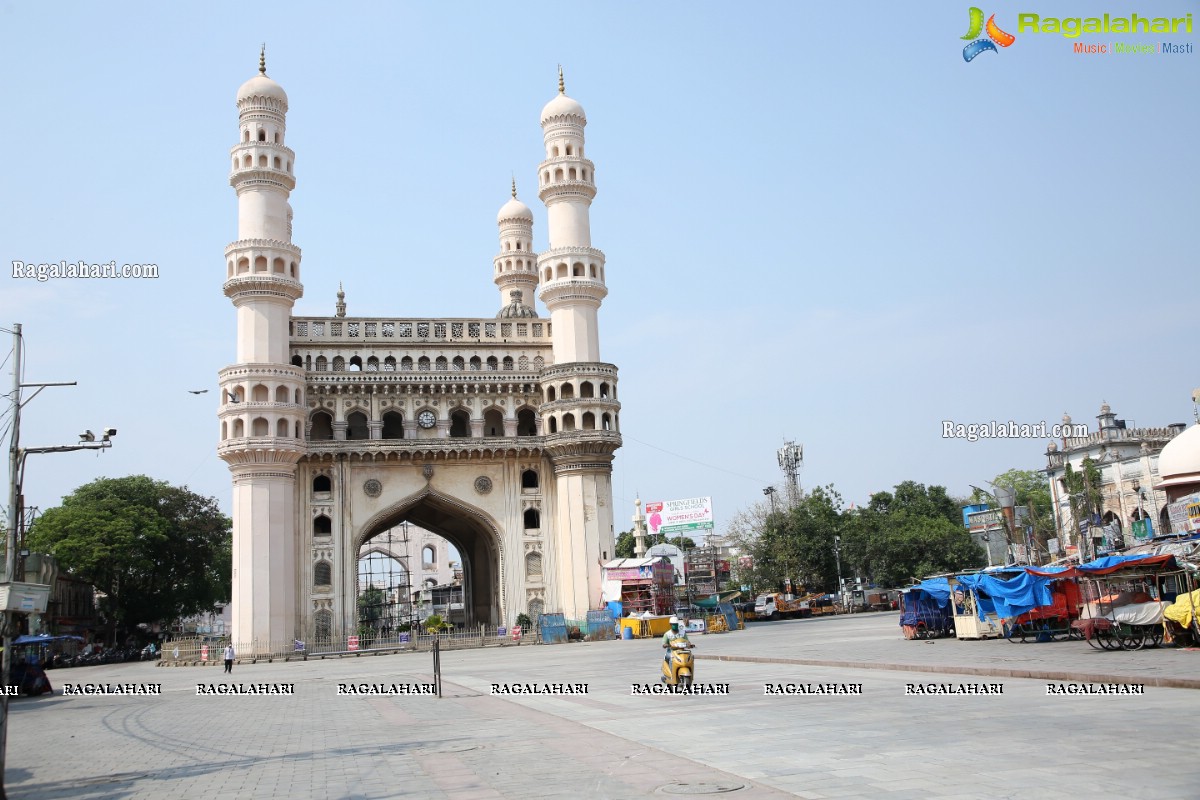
(483,484)
(372,488)
(427,471)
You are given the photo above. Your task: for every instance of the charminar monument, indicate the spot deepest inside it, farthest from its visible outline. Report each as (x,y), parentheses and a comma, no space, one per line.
(495,432)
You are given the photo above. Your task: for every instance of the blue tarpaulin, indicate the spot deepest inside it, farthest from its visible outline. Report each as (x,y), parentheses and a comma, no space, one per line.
(1008,598)
(937,588)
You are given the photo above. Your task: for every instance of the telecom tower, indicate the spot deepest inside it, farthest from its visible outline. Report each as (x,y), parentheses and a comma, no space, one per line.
(791,459)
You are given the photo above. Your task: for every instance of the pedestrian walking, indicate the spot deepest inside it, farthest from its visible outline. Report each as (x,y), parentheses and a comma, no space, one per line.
(229,658)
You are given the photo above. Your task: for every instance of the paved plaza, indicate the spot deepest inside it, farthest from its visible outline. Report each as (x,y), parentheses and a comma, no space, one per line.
(609,743)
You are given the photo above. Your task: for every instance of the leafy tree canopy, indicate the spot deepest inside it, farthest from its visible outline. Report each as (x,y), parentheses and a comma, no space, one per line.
(157,552)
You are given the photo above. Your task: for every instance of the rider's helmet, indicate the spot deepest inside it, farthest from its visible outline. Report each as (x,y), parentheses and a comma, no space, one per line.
(674,623)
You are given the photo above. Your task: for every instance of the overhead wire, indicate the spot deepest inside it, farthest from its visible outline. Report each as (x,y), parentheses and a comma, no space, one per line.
(759,481)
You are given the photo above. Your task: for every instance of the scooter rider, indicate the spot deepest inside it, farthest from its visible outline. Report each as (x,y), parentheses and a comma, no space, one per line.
(673,635)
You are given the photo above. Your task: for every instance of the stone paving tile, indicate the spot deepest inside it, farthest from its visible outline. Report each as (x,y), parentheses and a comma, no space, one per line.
(607,743)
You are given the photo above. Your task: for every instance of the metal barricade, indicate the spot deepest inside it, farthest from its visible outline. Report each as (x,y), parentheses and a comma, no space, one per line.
(600,625)
(553,627)
(731,620)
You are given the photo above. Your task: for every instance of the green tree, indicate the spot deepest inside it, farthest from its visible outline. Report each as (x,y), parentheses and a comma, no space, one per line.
(798,544)
(1032,493)
(897,548)
(626,545)
(157,552)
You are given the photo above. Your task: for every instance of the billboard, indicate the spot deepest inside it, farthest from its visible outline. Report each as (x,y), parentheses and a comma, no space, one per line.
(674,517)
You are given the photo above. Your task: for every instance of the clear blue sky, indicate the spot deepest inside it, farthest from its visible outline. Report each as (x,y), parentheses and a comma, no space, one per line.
(820,222)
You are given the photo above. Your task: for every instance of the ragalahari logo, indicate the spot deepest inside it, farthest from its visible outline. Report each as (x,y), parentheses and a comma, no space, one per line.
(994,35)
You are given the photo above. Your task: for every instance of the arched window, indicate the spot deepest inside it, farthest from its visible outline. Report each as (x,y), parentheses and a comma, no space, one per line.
(460,424)
(322,364)
(428,557)
(526,422)
(606,422)
(393,425)
(262,135)
(372,364)
(568,392)
(508,364)
(281,394)
(239,428)
(589,421)
(550,394)
(339,364)
(493,364)
(389,364)
(322,526)
(523,364)
(535,611)
(493,423)
(281,427)
(422,364)
(322,427)
(604,391)
(458,364)
(260,427)
(476,364)
(322,484)
(553,425)
(577,271)
(568,422)
(356,425)
(533,566)
(259,393)
(356,364)
(441,365)
(532,519)
(406,364)
(224,431)
(529,479)
(322,574)
(297,361)
(323,626)
(586,389)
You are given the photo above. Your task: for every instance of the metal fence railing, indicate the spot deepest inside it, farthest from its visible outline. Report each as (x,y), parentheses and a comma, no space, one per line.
(200,652)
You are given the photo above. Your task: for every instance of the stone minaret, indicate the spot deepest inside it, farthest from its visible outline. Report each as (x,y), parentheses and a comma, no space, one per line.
(262,418)
(516,263)
(580,417)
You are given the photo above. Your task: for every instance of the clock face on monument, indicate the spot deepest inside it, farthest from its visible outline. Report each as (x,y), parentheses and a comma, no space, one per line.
(426,419)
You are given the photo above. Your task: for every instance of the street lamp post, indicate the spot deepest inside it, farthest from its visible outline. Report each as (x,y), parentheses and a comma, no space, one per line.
(16,474)
(837,555)
(770,493)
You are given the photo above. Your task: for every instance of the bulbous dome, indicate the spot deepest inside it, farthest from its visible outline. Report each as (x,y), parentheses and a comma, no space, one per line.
(562,106)
(1179,461)
(514,209)
(516,309)
(262,86)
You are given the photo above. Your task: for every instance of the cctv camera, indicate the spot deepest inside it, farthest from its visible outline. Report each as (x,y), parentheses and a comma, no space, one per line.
(87,436)
(110,431)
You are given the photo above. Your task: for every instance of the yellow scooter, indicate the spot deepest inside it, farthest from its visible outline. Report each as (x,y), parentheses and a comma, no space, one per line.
(677,669)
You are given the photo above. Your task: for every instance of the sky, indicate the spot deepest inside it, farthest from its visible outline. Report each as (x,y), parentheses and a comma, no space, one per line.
(821,223)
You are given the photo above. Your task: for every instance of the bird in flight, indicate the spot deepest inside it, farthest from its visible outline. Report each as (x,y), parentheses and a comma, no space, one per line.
(197,391)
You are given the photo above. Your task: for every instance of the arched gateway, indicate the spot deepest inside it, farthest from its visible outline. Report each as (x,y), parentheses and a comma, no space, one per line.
(496,433)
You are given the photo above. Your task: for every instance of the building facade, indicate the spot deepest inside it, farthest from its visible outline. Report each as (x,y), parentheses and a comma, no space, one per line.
(1127,459)
(496,433)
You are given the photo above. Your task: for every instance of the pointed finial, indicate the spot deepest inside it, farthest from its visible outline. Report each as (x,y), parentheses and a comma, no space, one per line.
(340,288)
(562,88)
(262,60)
(514,187)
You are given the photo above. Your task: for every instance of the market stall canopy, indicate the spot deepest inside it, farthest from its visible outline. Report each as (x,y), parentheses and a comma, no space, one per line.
(937,588)
(1108,565)
(1012,597)
(46,639)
